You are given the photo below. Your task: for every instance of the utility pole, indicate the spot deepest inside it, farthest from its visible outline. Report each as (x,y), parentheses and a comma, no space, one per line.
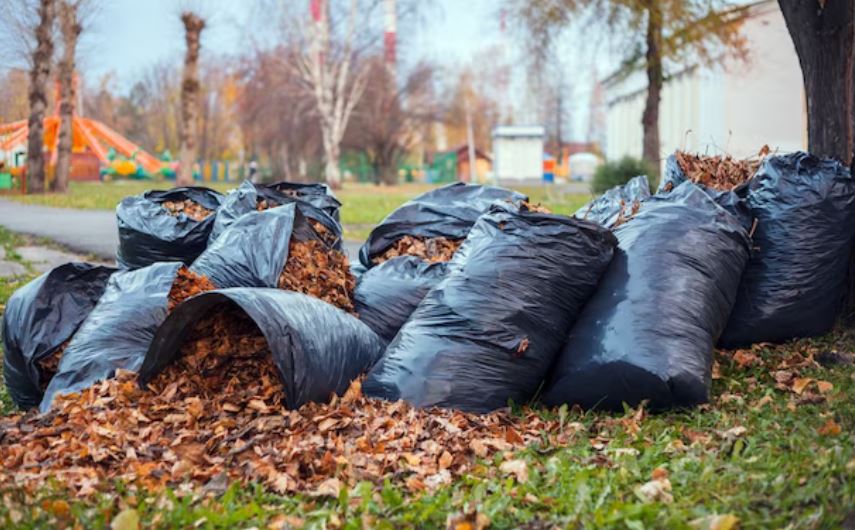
(470,139)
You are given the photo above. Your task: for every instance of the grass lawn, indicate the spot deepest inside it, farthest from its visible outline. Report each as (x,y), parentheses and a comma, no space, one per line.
(363,205)
(769,451)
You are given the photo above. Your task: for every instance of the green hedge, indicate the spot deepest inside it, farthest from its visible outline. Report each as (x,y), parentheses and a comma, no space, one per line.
(616,173)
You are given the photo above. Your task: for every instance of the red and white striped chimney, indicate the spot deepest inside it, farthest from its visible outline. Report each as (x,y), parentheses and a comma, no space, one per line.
(390,36)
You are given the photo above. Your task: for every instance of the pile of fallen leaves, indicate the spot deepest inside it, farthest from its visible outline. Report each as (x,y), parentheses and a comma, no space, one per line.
(315,269)
(191,209)
(265,204)
(432,249)
(532,207)
(216,415)
(719,172)
(187,283)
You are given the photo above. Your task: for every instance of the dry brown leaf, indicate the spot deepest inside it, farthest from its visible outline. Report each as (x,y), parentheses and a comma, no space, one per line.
(830,428)
(517,468)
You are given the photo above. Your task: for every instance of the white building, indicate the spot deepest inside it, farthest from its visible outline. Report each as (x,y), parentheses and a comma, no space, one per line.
(734,107)
(518,153)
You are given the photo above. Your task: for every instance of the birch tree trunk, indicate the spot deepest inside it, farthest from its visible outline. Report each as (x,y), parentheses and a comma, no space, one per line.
(193,26)
(70,28)
(39,74)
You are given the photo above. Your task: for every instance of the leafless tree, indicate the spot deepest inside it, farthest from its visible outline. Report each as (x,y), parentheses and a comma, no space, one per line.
(193,26)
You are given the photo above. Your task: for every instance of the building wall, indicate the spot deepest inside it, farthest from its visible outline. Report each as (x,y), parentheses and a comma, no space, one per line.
(735,107)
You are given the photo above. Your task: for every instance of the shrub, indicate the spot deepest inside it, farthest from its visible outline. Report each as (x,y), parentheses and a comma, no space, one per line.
(616,173)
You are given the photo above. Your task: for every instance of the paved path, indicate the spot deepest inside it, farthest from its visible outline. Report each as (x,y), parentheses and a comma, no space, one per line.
(84,231)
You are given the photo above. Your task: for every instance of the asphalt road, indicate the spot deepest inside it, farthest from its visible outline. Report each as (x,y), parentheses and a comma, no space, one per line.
(81,231)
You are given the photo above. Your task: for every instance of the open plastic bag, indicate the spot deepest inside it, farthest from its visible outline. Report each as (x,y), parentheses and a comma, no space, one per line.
(649,330)
(149,233)
(387,294)
(617,204)
(317,348)
(117,332)
(795,282)
(316,194)
(449,212)
(39,318)
(490,330)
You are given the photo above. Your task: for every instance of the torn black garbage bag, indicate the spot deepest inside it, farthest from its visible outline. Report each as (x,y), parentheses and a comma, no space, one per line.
(149,233)
(795,282)
(117,332)
(317,348)
(316,194)
(618,204)
(39,318)
(253,250)
(386,295)
(449,212)
(490,330)
(249,197)
(649,330)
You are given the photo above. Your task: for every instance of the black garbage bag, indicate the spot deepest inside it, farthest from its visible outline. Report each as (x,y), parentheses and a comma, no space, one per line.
(117,332)
(449,211)
(40,317)
(317,348)
(734,201)
(795,283)
(149,234)
(616,204)
(252,251)
(318,195)
(649,330)
(387,294)
(357,269)
(489,331)
(245,199)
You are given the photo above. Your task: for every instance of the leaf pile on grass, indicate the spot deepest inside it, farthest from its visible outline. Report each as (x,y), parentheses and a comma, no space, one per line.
(431,249)
(191,209)
(719,172)
(314,269)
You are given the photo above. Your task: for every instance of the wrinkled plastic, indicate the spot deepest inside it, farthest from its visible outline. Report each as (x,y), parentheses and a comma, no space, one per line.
(649,330)
(357,269)
(490,330)
(318,349)
(253,251)
(149,234)
(449,211)
(244,200)
(316,194)
(616,203)
(40,317)
(118,331)
(795,283)
(387,294)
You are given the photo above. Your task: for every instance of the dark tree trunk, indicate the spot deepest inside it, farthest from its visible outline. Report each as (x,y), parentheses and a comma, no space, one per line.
(650,118)
(193,26)
(824,38)
(39,74)
(70,29)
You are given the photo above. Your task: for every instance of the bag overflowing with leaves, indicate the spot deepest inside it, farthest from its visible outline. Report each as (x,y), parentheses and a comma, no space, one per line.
(432,225)
(386,295)
(490,330)
(292,247)
(119,329)
(249,197)
(310,347)
(172,225)
(649,330)
(40,319)
(617,205)
(796,279)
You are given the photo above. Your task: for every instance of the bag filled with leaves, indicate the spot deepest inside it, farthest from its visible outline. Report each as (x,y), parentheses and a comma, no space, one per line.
(795,283)
(255,335)
(249,197)
(38,321)
(490,330)
(318,195)
(433,225)
(649,330)
(292,247)
(118,331)
(617,205)
(171,225)
(386,295)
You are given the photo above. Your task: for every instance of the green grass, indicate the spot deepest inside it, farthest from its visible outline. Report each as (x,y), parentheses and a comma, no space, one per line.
(363,205)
